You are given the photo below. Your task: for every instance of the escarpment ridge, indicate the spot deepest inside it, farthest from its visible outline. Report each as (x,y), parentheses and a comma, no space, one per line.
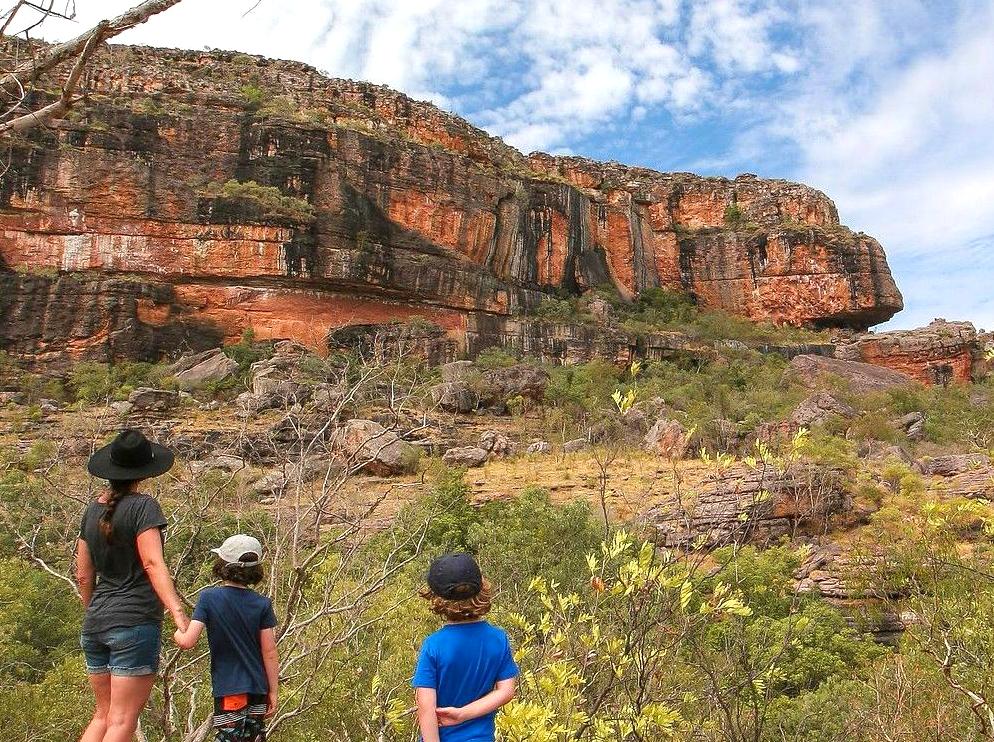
(199,194)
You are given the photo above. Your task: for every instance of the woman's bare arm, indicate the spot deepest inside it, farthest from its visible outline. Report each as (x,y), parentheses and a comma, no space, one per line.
(149,544)
(86,573)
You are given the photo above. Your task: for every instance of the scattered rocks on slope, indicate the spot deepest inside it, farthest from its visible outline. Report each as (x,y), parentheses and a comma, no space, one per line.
(862,377)
(468,456)
(277,377)
(193,371)
(539,447)
(373,449)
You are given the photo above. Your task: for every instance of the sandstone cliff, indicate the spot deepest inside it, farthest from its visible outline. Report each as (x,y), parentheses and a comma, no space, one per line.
(199,194)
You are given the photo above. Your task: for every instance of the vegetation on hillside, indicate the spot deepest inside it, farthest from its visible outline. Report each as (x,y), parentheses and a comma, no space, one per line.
(617,638)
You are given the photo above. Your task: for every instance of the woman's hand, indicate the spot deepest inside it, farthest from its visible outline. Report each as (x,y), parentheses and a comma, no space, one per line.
(449,716)
(271,703)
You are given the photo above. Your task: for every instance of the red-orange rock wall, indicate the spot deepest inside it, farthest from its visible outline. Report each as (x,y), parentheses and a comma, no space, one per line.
(415,212)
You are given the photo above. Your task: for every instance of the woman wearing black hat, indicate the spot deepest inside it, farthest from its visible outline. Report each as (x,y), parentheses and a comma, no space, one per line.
(124,583)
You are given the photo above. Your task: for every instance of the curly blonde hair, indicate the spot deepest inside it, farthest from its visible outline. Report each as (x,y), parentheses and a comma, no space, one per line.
(460,610)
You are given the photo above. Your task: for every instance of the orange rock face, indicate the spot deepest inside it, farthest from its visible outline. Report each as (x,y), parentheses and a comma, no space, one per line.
(374,207)
(940,353)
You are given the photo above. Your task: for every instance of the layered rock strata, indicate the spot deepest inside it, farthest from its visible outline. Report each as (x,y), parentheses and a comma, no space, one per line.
(202,193)
(940,353)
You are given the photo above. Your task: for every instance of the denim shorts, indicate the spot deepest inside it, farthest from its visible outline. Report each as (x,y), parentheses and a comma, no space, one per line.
(127,650)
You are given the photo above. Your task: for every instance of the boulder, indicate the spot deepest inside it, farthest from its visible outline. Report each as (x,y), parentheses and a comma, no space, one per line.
(122,408)
(193,371)
(373,449)
(761,505)
(667,438)
(249,403)
(818,409)
(539,447)
(577,444)
(976,484)
(913,425)
(326,398)
(278,376)
(455,396)
(456,371)
(863,378)
(939,353)
(496,444)
(950,466)
(468,456)
(221,462)
(521,380)
(276,482)
(146,399)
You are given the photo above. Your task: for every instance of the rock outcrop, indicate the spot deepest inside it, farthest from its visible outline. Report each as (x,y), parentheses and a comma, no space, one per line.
(752,505)
(940,353)
(861,377)
(202,193)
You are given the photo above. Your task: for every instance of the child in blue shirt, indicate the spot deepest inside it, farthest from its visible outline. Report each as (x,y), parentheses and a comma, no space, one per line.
(466,670)
(244,661)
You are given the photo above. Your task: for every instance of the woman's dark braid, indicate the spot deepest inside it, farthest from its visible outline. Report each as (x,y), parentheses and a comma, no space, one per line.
(119,489)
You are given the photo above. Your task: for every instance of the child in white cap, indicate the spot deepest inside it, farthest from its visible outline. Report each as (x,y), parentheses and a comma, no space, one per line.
(245,665)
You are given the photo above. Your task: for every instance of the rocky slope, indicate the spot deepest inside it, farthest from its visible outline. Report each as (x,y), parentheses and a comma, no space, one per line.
(140,225)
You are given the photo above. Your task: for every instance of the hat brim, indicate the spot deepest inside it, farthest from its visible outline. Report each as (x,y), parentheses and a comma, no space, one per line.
(100,464)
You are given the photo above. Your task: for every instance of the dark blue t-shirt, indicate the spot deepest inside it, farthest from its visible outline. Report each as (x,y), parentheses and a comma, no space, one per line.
(234,617)
(463,662)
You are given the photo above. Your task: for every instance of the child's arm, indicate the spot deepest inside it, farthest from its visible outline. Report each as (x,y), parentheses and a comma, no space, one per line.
(502,693)
(187,639)
(426,700)
(271,661)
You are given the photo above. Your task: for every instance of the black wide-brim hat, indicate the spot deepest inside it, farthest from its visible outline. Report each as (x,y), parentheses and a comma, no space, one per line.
(130,456)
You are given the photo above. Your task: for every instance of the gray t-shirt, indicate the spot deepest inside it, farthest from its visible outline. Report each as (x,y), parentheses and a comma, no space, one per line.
(123,595)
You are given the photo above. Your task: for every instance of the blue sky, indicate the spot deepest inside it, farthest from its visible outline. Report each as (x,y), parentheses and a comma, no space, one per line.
(886,105)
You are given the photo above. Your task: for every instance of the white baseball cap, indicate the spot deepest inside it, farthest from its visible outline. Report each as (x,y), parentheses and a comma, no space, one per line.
(235,546)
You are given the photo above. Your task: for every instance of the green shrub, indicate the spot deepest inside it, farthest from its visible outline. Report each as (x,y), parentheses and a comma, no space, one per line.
(734,215)
(493,358)
(253,96)
(551,309)
(270,200)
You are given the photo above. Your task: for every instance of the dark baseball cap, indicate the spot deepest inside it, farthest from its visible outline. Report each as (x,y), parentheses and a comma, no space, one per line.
(455,577)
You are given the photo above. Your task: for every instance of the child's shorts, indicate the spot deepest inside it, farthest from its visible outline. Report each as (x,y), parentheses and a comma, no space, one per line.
(240,718)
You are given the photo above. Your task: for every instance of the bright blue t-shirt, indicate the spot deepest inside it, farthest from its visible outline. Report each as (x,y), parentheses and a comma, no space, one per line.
(463,662)
(234,616)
